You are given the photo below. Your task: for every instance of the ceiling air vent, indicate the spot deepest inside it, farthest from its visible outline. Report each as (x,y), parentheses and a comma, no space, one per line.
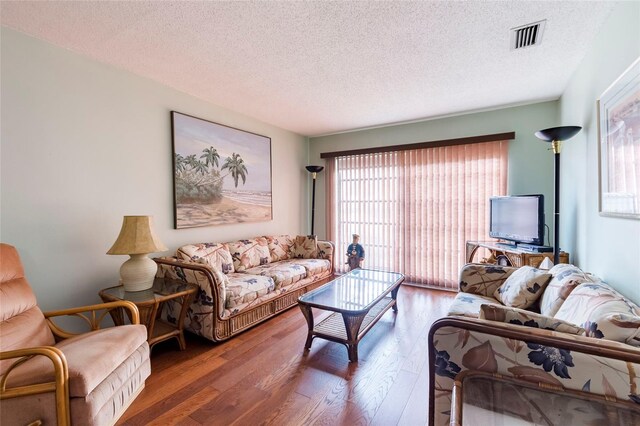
(527,35)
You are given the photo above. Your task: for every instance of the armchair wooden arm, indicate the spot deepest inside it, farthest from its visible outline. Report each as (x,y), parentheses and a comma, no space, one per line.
(94,320)
(60,385)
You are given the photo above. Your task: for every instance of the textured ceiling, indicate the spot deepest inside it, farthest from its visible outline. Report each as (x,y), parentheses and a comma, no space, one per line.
(323,67)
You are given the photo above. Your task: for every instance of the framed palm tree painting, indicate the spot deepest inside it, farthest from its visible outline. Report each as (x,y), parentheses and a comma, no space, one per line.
(222,175)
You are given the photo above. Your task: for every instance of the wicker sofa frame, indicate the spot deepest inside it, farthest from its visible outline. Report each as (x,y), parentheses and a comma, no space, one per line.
(226,327)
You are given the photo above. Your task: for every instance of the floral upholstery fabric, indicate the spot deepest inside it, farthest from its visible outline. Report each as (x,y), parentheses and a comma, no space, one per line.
(218,298)
(305,247)
(457,349)
(325,250)
(216,255)
(199,315)
(468,304)
(283,273)
(244,288)
(603,313)
(483,279)
(280,247)
(564,278)
(249,253)
(517,316)
(272,295)
(523,287)
(313,266)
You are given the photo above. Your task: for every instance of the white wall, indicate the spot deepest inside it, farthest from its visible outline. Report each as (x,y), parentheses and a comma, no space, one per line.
(84,144)
(608,247)
(530,162)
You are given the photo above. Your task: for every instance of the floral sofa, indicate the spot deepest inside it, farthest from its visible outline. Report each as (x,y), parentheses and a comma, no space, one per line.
(579,335)
(245,282)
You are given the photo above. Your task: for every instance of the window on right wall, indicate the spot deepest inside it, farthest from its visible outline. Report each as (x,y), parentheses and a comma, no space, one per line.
(415,209)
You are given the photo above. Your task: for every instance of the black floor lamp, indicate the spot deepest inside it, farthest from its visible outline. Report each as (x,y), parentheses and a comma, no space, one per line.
(314,170)
(556,135)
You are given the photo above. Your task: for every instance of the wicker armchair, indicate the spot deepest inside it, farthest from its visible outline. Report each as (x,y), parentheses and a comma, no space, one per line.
(51,375)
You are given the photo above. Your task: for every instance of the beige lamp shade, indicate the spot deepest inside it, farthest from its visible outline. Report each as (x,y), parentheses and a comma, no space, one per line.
(137,237)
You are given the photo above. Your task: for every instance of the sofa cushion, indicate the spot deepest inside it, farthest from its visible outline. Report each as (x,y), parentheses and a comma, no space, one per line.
(305,247)
(215,255)
(603,313)
(523,287)
(283,273)
(468,304)
(249,253)
(245,288)
(280,247)
(517,316)
(483,279)
(91,358)
(564,278)
(313,266)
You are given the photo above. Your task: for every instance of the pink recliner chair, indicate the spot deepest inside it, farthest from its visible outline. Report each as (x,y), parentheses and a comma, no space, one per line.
(52,376)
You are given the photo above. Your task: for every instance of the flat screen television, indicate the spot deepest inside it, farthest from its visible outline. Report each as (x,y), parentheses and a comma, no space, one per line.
(517,218)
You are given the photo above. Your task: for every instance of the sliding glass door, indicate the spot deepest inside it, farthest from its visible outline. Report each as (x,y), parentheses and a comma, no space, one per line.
(414,209)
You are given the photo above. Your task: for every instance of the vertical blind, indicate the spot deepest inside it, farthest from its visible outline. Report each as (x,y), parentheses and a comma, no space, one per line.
(415,209)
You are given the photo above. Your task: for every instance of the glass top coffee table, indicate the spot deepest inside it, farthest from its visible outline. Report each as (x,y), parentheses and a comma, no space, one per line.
(481,398)
(358,300)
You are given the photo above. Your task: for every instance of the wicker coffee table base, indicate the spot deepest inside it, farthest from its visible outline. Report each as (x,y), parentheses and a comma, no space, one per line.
(347,328)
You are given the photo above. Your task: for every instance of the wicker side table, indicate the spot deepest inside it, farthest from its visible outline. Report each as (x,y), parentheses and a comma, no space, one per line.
(150,303)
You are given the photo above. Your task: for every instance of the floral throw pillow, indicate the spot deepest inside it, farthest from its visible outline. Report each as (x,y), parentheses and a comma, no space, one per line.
(216,255)
(280,247)
(517,316)
(305,247)
(564,279)
(249,253)
(603,313)
(523,287)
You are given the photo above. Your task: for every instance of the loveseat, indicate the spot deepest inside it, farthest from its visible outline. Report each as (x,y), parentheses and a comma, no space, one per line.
(242,283)
(577,333)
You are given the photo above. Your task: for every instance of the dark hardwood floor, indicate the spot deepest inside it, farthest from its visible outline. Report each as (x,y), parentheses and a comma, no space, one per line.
(263,377)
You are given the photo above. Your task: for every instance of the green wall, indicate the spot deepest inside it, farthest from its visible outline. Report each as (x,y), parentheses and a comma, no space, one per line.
(530,163)
(606,246)
(84,144)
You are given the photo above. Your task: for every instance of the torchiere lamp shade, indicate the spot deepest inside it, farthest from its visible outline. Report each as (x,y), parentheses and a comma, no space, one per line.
(558,133)
(137,237)
(314,169)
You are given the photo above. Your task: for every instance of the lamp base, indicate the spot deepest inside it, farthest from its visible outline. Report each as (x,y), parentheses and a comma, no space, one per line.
(138,273)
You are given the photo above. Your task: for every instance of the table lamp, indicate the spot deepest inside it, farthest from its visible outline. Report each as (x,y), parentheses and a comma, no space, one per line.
(314,170)
(137,239)
(556,135)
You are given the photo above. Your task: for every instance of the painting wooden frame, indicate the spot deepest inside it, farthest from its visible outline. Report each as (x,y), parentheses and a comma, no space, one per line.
(619,146)
(221,175)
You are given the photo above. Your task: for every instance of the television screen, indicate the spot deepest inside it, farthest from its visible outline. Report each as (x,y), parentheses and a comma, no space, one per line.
(518,218)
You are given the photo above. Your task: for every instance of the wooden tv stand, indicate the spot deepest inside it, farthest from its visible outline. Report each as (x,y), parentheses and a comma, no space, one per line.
(505,255)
